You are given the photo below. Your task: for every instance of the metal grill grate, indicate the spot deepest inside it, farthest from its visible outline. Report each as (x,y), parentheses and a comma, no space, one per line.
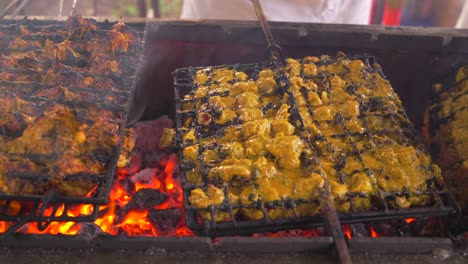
(89,92)
(383,204)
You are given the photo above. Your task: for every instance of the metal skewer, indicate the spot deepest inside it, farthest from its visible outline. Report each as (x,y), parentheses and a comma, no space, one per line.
(273,48)
(19,8)
(72,11)
(60,10)
(7,9)
(326,200)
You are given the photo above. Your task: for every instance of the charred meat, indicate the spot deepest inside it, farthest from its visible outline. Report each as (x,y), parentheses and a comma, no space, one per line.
(64,91)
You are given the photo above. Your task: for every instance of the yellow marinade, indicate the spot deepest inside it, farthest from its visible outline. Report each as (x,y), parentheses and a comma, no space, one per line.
(258,152)
(449,133)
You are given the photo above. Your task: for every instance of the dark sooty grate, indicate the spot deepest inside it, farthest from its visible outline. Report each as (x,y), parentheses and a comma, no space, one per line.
(219,219)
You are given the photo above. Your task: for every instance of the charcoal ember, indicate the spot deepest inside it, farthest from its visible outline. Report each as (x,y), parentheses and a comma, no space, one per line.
(127,186)
(146,176)
(360,230)
(107,210)
(386,229)
(146,198)
(148,133)
(90,231)
(166,221)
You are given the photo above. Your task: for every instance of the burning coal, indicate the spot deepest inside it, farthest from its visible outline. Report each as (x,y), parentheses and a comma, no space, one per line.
(146,197)
(147,200)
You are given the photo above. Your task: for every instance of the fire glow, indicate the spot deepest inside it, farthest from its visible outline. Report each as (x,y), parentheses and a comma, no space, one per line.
(134,223)
(115,219)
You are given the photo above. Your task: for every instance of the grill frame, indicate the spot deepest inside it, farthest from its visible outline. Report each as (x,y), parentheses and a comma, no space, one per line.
(58,204)
(183,81)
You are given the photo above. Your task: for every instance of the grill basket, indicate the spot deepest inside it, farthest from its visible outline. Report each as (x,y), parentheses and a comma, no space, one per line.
(384,206)
(109,93)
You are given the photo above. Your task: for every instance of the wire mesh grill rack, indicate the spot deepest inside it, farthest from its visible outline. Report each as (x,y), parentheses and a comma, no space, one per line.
(450,91)
(97,90)
(230,216)
(448,99)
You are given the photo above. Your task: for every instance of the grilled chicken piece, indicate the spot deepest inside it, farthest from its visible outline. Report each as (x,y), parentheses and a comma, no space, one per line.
(104,64)
(339,123)
(128,144)
(72,175)
(84,150)
(121,39)
(78,27)
(21,175)
(54,133)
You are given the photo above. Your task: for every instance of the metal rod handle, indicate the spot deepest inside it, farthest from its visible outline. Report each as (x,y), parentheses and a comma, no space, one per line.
(273,48)
(334,225)
(19,8)
(72,11)
(60,10)
(7,9)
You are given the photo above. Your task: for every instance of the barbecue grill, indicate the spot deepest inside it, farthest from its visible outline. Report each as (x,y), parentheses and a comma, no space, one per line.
(198,133)
(109,93)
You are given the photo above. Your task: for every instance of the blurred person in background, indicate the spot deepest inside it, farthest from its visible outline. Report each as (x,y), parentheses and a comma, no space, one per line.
(445,13)
(431,13)
(317,11)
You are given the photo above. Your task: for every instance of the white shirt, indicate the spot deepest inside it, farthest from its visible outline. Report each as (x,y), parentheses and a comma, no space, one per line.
(314,11)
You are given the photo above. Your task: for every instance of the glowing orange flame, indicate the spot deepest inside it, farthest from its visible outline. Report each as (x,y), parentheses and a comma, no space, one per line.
(410,220)
(347,231)
(171,163)
(135,223)
(373,233)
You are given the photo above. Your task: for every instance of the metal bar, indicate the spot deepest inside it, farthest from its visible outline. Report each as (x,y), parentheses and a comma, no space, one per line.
(72,11)
(60,10)
(333,225)
(327,206)
(272,47)
(7,9)
(14,227)
(19,8)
